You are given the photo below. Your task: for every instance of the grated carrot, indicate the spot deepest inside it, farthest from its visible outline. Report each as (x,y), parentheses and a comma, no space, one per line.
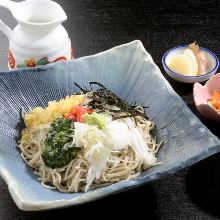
(215,100)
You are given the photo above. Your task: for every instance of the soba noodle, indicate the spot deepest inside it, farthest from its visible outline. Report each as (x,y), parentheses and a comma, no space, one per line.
(123,164)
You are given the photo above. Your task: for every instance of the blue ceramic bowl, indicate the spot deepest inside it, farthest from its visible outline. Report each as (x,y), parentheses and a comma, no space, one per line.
(130,72)
(213,60)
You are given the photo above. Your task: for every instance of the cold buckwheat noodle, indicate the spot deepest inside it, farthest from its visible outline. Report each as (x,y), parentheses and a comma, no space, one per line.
(122,162)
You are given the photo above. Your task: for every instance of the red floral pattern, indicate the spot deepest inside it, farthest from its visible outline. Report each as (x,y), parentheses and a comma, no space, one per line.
(32,62)
(11,60)
(59,59)
(72,54)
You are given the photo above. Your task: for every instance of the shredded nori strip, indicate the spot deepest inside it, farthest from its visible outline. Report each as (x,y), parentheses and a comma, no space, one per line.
(102,97)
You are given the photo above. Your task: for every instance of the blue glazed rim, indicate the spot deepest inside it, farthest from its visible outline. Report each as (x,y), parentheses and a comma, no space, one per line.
(191,77)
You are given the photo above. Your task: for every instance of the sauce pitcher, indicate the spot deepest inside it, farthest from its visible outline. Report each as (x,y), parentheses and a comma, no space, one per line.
(39,37)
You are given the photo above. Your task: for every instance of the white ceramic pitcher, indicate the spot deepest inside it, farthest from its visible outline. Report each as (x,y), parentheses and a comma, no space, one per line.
(39,38)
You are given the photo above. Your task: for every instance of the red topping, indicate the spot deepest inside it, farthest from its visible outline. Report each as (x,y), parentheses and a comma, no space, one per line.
(77,112)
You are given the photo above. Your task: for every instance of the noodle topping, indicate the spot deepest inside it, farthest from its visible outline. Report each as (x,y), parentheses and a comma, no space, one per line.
(54,155)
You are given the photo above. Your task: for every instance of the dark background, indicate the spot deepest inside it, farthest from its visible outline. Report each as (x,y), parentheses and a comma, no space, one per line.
(97,25)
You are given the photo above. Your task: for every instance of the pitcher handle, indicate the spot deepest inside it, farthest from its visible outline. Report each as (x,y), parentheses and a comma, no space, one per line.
(10,5)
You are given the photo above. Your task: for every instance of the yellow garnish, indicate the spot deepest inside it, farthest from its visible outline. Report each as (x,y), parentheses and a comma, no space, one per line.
(40,116)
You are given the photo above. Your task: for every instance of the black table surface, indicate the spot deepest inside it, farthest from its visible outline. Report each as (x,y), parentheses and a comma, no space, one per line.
(97,25)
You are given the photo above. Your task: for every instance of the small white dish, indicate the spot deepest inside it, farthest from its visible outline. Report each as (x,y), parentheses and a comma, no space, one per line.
(212,69)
